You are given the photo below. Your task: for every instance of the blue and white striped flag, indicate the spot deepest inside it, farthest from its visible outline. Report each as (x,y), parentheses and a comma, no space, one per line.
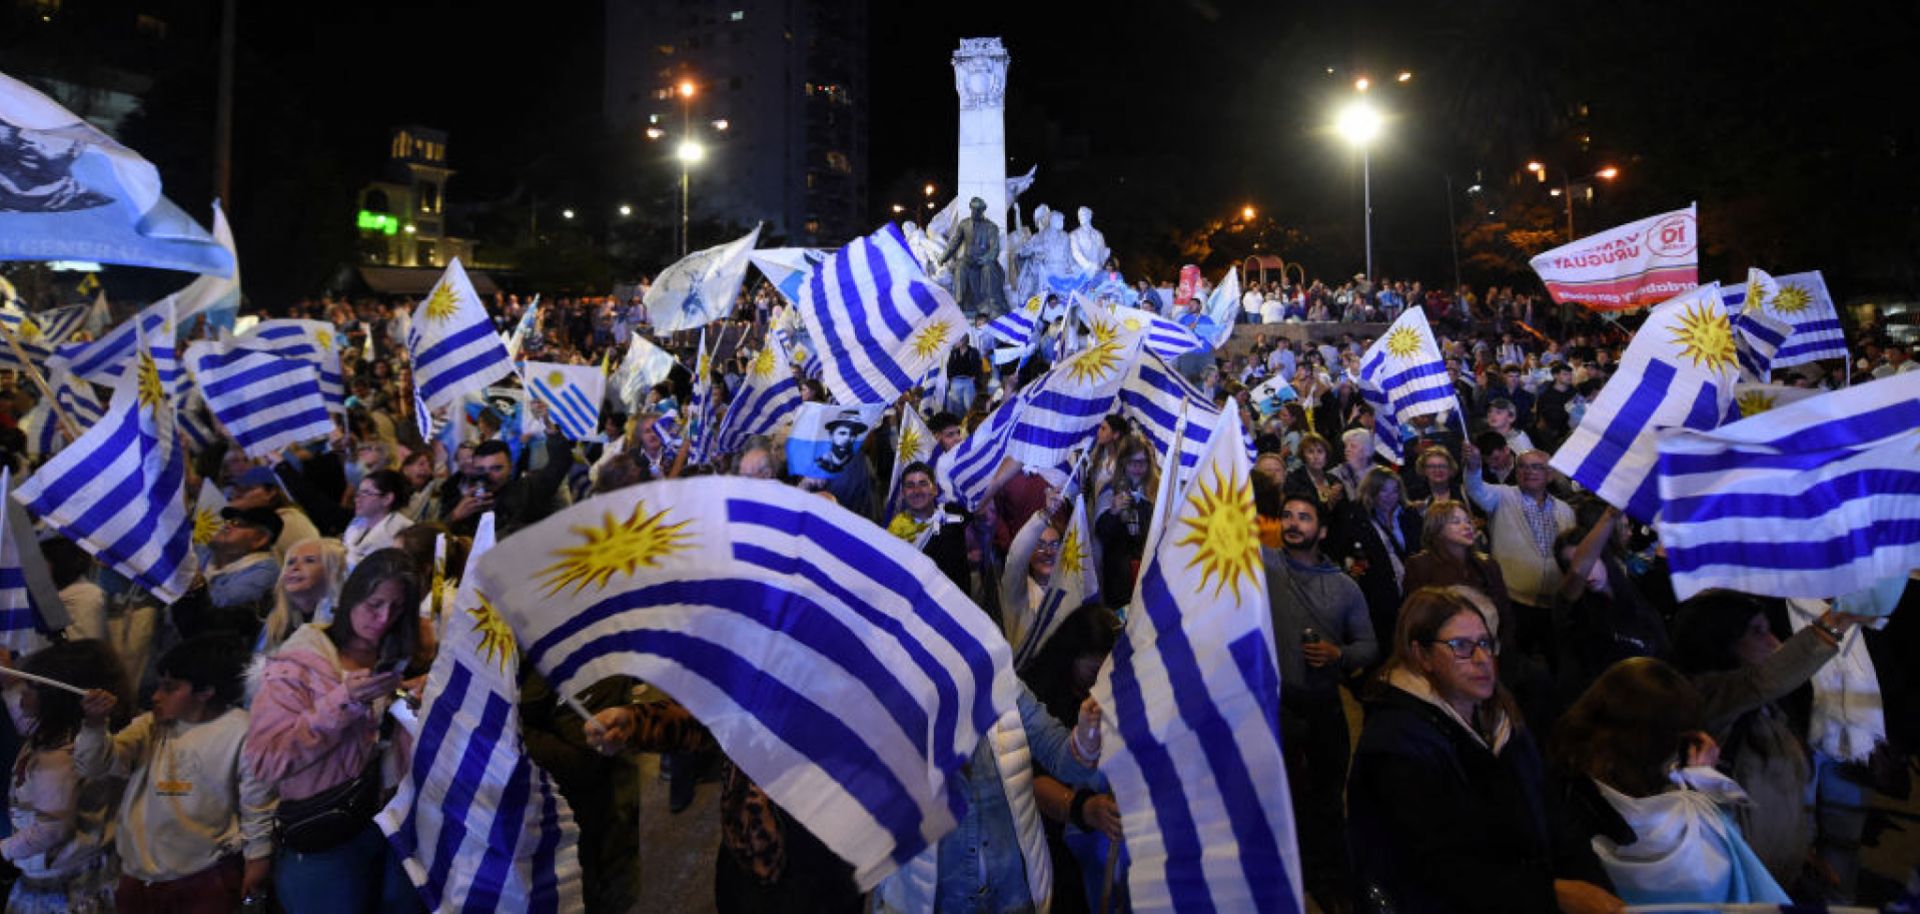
(572,393)
(1154,397)
(835,665)
(88,197)
(768,395)
(452,343)
(265,401)
(1015,331)
(529,319)
(120,490)
(965,473)
(876,321)
(24,330)
(104,361)
(19,624)
(1075,580)
(1406,371)
(478,826)
(315,341)
(1758,335)
(1678,372)
(1753,399)
(196,423)
(1802,301)
(76,400)
(1819,498)
(1164,338)
(701,423)
(53,327)
(700,288)
(1190,737)
(643,366)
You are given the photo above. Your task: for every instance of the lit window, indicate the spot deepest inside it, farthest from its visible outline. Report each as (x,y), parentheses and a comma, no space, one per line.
(666,50)
(736,15)
(838,161)
(813,226)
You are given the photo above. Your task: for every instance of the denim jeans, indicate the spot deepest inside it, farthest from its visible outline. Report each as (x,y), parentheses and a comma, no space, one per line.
(960,393)
(362,876)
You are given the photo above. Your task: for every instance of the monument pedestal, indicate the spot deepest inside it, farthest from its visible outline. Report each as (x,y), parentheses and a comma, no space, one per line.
(980,77)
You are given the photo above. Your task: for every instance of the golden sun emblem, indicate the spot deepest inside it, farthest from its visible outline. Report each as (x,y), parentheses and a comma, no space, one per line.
(910,441)
(615,547)
(928,340)
(1073,552)
(1403,343)
(1099,358)
(324,338)
(763,363)
(29,330)
(496,639)
(1791,300)
(205,524)
(1033,305)
(1132,324)
(1703,335)
(1755,402)
(1757,294)
(444,303)
(151,393)
(556,380)
(1223,527)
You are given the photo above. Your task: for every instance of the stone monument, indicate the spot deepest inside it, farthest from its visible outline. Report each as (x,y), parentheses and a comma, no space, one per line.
(980,77)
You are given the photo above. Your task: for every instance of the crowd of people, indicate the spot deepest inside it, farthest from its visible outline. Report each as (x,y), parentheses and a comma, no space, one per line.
(1545,726)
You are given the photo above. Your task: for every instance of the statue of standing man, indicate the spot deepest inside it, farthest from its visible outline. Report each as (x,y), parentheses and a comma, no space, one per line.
(978,282)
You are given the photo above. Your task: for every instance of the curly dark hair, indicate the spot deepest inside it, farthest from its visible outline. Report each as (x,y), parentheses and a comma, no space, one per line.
(87,663)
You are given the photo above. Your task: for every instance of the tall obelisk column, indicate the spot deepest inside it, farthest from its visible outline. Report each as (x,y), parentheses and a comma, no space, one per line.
(980,76)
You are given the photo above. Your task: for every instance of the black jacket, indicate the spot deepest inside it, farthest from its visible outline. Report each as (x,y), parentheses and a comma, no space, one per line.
(1439,824)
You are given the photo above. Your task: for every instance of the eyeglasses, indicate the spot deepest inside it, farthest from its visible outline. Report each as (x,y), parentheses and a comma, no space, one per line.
(1048,546)
(1463,648)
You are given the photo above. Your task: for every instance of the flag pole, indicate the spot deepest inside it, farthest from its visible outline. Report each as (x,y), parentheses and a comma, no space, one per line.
(1106,884)
(67,427)
(10,671)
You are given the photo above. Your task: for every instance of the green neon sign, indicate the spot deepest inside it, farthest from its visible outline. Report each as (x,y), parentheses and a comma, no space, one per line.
(379,222)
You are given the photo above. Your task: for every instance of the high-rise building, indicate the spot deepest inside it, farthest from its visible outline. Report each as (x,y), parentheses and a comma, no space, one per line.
(778,106)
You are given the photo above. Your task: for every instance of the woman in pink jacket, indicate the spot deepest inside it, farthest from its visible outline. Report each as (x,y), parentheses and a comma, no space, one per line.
(316,732)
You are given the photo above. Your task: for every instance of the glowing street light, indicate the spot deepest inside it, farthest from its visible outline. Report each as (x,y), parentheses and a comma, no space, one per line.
(1362,84)
(626,210)
(721,123)
(690,152)
(1608,173)
(1361,124)
(928,190)
(686,88)
(654,133)
(1405,76)
(1246,213)
(898,209)
(566,214)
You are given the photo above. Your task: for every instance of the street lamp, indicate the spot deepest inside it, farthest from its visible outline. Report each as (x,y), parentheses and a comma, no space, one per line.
(626,210)
(1246,213)
(1360,124)
(566,214)
(1565,190)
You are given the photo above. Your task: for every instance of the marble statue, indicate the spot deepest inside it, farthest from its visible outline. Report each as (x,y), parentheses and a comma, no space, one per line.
(979,282)
(1027,279)
(926,250)
(1089,246)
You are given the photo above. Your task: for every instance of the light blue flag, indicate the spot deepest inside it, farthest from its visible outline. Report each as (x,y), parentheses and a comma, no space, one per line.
(211,302)
(643,366)
(1222,310)
(787,268)
(529,319)
(266,402)
(826,438)
(877,322)
(834,663)
(700,288)
(572,393)
(477,825)
(69,192)
(317,342)
(1818,498)
(1190,737)
(767,397)
(1678,372)
(1802,301)
(120,490)
(452,343)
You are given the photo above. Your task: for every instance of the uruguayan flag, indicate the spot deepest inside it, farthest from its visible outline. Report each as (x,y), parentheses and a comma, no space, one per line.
(644,366)
(699,289)
(1164,338)
(78,405)
(1190,737)
(787,268)
(71,193)
(1816,499)
(104,361)
(572,394)
(767,397)
(700,425)
(315,341)
(914,445)
(120,490)
(478,826)
(206,513)
(965,473)
(51,328)
(265,401)
(1155,397)
(1679,371)
(1753,399)
(1405,367)
(876,321)
(835,665)
(22,339)
(1015,331)
(1802,301)
(19,631)
(212,300)
(529,319)
(452,343)
(1060,409)
(196,424)
(1075,580)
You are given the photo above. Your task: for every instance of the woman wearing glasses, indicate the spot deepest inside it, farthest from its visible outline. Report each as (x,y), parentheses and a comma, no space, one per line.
(1446,797)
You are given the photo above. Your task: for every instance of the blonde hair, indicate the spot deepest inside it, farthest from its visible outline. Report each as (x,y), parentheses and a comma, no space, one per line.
(333,561)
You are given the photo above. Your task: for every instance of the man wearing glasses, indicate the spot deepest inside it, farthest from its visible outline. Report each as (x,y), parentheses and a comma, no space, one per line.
(1322,633)
(1524,521)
